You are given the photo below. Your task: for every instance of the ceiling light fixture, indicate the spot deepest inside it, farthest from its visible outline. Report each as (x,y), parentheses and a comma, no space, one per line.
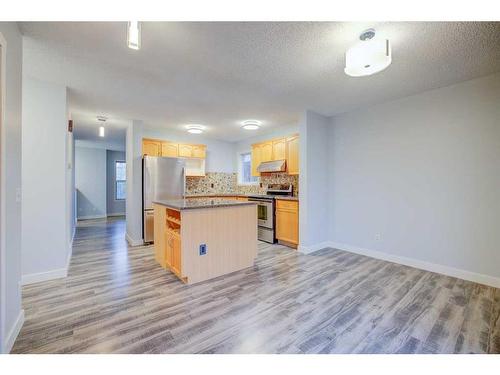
(134,35)
(101,119)
(251,124)
(369,56)
(195,128)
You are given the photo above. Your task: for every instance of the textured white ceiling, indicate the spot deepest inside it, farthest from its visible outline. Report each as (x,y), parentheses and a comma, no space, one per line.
(86,128)
(220,73)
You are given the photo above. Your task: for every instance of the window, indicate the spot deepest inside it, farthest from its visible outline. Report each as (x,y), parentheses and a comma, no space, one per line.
(120,180)
(245,170)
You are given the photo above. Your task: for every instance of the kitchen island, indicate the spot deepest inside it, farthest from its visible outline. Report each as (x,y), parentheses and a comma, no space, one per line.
(199,239)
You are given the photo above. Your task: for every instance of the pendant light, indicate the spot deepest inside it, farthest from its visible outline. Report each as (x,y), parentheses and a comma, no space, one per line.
(134,35)
(369,56)
(102,120)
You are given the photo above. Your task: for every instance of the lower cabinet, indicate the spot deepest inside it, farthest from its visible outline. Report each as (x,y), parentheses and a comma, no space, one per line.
(171,245)
(287,221)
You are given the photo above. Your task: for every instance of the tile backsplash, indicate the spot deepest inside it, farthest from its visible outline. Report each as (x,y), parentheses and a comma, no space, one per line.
(227,183)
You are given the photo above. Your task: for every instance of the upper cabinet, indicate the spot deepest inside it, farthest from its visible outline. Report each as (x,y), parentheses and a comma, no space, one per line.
(199,151)
(292,154)
(266,151)
(170,149)
(151,147)
(156,147)
(277,149)
(185,151)
(255,159)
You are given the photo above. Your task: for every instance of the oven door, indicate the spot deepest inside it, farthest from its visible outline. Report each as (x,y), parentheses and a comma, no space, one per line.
(265,214)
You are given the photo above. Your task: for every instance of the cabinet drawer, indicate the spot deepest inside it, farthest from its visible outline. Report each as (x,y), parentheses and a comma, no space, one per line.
(287,205)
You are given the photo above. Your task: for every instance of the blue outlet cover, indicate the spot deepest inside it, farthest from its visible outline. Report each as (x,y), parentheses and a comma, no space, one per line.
(203,249)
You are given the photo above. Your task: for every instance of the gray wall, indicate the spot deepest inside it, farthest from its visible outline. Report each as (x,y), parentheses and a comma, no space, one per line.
(10,158)
(90,182)
(423,172)
(45,248)
(114,207)
(313,181)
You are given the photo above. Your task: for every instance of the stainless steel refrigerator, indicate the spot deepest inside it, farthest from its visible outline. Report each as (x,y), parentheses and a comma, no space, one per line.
(162,178)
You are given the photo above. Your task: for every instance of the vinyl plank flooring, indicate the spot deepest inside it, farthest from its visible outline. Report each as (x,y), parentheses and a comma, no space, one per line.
(116,299)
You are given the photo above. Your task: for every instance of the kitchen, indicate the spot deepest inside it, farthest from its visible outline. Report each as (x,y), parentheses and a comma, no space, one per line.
(176,185)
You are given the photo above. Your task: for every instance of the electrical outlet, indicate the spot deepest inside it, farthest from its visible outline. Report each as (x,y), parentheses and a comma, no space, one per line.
(203,249)
(378,237)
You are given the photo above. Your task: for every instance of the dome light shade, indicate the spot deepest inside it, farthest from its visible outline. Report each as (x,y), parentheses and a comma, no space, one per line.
(251,124)
(368,57)
(195,129)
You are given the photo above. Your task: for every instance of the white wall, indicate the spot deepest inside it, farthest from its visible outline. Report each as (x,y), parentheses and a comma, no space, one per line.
(90,182)
(219,153)
(313,182)
(424,173)
(11,314)
(45,250)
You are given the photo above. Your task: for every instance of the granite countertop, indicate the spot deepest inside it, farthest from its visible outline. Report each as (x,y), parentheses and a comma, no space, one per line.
(186,204)
(215,195)
(284,197)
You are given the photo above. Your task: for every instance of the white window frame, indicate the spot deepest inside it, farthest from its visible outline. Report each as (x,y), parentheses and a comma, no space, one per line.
(116,180)
(240,171)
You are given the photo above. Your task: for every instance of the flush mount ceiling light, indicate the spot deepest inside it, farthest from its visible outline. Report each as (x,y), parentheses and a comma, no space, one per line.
(369,56)
(195,128)
(134,35)
(102,120)
(251,124)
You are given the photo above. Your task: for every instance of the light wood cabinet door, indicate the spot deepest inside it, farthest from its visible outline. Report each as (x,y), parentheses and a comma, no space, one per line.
(176,254)
(160,242)
(287,221)
(292,157)
(169,149)
(279,149)
(266,152)
(256,151)
(151,148)
(185,151)
(199,151)
(169,248)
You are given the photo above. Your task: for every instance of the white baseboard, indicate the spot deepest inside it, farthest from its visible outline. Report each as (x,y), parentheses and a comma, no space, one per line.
(14,332)
(312,248)
(117,214)
(420,264)
(91,217)
(133,242)
(45,276)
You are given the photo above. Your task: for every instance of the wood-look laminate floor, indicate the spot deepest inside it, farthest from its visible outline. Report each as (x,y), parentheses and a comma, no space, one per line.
(118,300)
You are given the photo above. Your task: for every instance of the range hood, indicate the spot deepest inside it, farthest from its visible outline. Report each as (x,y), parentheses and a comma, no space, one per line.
(272,166)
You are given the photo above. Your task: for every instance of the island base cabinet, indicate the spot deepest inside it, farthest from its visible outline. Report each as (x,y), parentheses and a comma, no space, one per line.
(227,235)
(287,222)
